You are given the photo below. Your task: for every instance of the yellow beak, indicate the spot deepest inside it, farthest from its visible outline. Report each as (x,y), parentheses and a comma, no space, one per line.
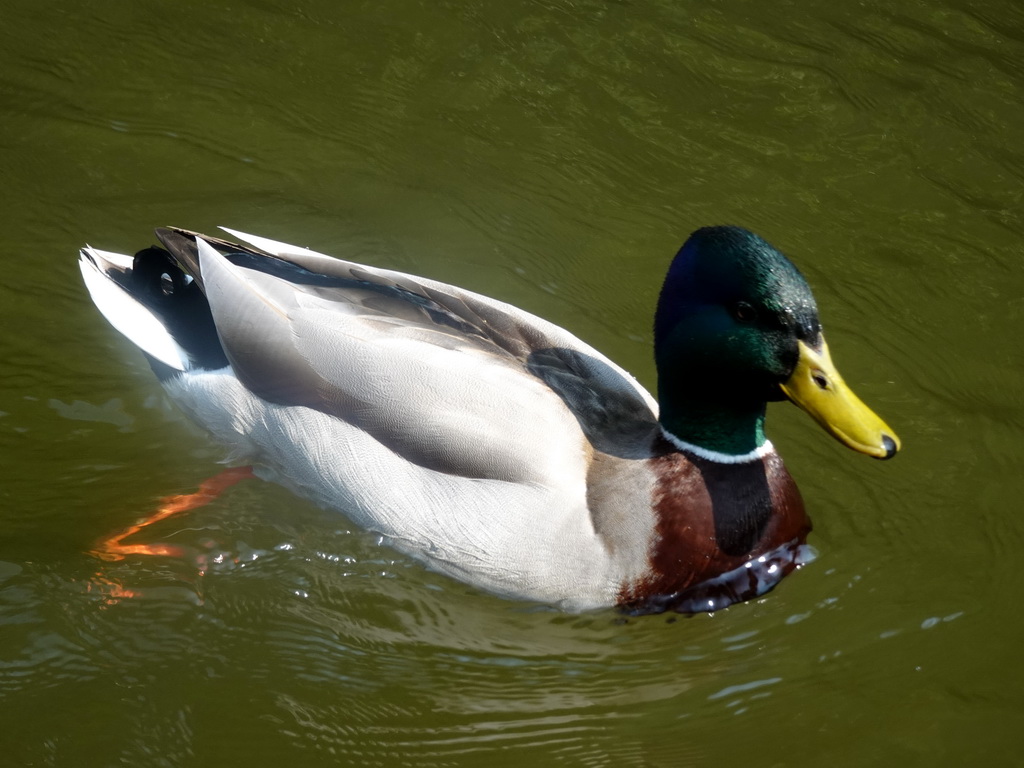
(817,387)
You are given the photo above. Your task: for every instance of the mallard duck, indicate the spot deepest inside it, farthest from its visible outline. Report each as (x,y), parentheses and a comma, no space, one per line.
(489,444)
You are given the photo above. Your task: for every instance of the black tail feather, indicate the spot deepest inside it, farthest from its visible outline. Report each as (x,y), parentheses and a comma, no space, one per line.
(160,283)
(181,245)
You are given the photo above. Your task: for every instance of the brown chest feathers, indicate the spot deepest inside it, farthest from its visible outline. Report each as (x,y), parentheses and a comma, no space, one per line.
(724,533)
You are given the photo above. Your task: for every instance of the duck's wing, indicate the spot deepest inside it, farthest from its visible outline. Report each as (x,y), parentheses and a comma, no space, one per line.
(448,379)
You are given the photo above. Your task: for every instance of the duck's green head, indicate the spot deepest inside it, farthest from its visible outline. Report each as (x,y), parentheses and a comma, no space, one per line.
(736,327)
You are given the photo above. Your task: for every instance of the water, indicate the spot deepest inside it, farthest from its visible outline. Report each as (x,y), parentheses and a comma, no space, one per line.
(554,155)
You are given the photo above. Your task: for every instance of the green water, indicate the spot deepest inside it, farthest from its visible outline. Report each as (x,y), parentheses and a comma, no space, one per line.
(554,155)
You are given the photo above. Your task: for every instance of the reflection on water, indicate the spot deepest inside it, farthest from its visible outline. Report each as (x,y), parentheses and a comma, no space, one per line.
(553,155)
(111,412)
(334,647)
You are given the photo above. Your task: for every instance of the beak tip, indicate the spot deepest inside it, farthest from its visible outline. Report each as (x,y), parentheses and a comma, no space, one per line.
(890,446)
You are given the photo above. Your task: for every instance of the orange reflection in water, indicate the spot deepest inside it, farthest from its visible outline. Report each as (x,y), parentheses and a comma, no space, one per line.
(113,547)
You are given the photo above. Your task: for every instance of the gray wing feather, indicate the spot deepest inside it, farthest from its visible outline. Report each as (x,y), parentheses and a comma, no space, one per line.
(450,383)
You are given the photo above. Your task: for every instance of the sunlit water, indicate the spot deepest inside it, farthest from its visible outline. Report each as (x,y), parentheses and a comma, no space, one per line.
(553,155)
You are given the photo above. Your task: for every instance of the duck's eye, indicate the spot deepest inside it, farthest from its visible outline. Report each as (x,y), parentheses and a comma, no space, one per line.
(743,312)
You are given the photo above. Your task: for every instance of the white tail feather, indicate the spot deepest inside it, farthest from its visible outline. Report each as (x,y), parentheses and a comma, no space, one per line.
(127,315)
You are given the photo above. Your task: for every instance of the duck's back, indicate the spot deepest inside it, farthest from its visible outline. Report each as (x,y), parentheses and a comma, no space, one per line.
(460,427)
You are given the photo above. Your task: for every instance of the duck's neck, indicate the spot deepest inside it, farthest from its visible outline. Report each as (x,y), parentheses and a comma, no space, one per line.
(716,425)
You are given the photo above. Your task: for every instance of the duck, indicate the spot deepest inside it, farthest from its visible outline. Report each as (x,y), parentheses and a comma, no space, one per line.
(489,444)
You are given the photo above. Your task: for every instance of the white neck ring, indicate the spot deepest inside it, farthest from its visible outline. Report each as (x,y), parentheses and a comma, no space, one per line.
(720,458)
